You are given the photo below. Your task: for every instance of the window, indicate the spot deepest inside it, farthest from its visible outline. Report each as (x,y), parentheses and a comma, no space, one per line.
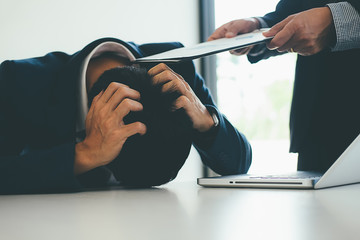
(256,98)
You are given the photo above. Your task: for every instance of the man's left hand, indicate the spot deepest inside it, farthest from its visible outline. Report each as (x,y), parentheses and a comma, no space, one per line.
(306,33)
(170,81)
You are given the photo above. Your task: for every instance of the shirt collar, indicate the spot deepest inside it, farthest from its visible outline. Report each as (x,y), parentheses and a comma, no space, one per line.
(105,47)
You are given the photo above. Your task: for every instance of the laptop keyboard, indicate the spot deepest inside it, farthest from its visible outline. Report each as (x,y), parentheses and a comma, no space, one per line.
(286,177)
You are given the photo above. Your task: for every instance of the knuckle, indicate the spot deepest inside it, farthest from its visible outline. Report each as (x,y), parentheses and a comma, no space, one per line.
(289,17)
(177,83)
(186,85)
(127,103)
(113,86)
(299,26)
(121,91)
(182,100)
(168,74)
(162,66)
(94,104)
(138,125)
(177,86)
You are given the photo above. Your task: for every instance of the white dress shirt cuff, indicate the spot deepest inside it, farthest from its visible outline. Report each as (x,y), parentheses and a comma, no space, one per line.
(259,49)
(263,24)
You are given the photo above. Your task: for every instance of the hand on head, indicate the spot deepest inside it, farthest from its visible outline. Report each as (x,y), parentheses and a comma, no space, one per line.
(306,33)
(162,75)
(132,104)
(106,132)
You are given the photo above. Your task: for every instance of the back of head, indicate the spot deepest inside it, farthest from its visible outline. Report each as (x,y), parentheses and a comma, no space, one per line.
(156,157)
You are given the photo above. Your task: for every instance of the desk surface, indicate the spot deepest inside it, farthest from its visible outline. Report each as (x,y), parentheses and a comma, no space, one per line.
(184,211)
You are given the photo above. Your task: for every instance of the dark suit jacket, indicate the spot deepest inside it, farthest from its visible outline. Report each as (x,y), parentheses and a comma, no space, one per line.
(355,4)
(38,113)
(325,116)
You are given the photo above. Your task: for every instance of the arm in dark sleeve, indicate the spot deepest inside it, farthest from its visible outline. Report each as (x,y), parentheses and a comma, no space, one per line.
(355,4)
(25,168)
(225,150)
(50,170)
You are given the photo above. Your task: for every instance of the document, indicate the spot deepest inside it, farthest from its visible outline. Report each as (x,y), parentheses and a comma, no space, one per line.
(208,48)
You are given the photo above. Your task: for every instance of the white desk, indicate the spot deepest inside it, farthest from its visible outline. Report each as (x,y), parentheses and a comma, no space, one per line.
(184,211)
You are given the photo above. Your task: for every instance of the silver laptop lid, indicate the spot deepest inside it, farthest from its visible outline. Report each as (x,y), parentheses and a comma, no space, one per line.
(345,170)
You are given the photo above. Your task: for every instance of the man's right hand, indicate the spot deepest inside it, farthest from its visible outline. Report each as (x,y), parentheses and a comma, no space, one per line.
(106,132)
(234,28)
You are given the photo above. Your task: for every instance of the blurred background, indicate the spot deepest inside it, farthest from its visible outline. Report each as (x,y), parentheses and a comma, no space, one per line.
(256,98)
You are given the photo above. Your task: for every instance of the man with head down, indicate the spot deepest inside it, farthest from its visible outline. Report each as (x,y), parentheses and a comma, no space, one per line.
(74,121)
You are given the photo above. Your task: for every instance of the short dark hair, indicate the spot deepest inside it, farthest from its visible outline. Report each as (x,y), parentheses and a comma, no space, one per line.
(156,157)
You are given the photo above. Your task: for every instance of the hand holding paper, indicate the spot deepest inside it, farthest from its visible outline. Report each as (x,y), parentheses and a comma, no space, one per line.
(306,33)
(234,28)
(208,48)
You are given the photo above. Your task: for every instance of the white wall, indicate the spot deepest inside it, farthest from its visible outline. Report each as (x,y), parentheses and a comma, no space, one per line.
(32,28)
(36,27)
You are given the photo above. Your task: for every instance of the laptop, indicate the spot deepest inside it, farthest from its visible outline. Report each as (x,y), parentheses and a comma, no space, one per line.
(345,170)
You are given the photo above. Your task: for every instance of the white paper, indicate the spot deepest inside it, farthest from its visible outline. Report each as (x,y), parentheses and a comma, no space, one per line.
(207,48)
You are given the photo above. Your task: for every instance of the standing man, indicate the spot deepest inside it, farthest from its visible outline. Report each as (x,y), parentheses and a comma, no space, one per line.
(324,115)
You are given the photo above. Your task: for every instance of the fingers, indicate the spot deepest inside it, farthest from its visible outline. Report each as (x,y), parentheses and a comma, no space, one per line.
(111,98)
(116,88)
(109,91)
(218,33)
(228,30)
(133,128)
(282,37)
(94,101)
(120,94)
(241,51)
(282,33)
(181,102)
(158,69)
(278,27)
(161,74)
(289,46)
(127,106)
(90,114)
(233,28)
(170,81)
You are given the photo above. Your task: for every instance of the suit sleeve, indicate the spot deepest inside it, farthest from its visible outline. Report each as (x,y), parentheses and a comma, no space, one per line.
(355,4)
(228,152)
(23,167)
